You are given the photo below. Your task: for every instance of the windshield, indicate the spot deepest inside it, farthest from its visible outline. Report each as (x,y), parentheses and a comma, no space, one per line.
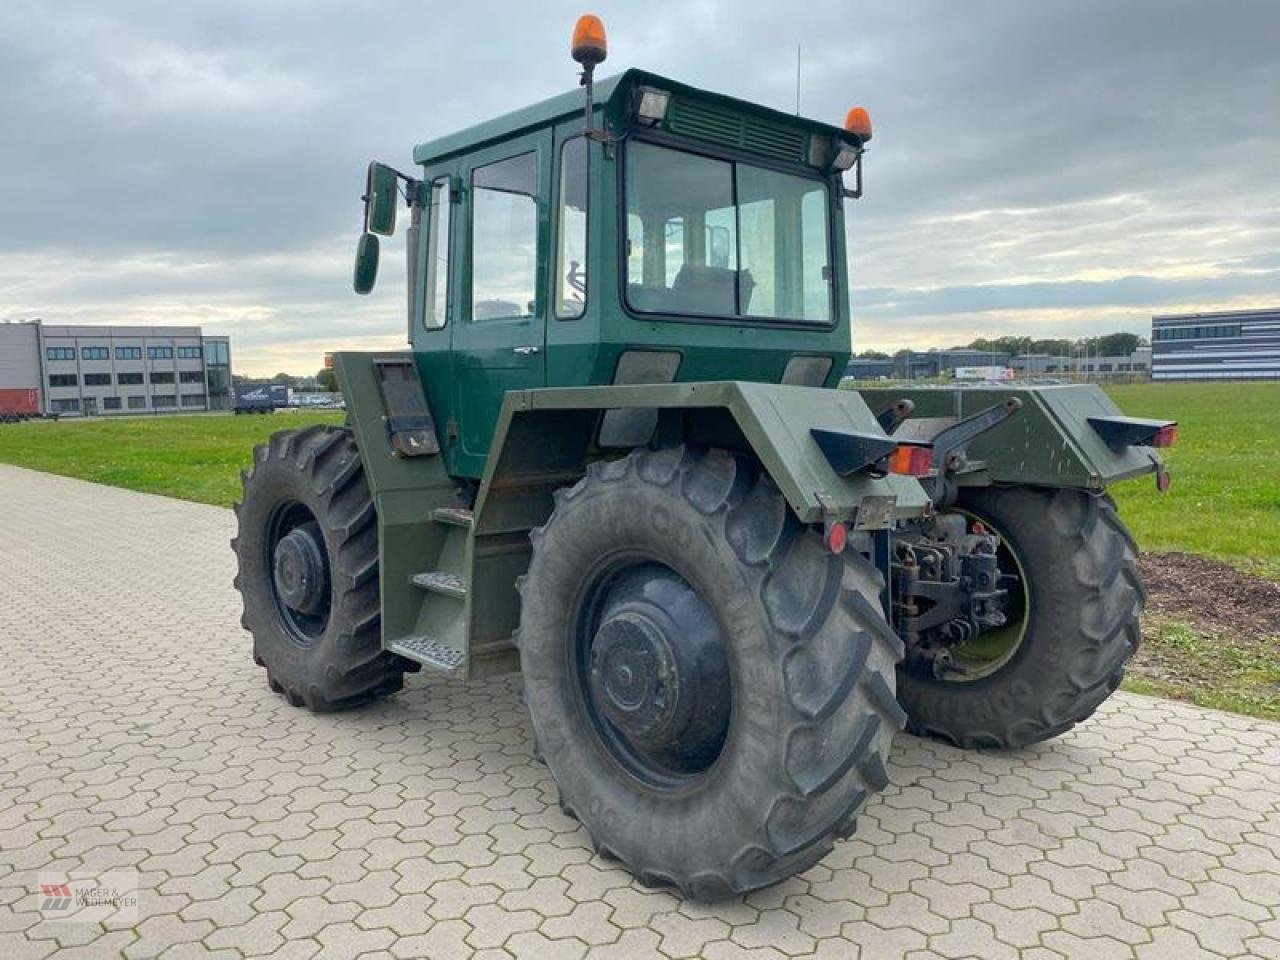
(723,238)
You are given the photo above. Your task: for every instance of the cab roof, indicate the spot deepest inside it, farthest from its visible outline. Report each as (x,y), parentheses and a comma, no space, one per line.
(609,93)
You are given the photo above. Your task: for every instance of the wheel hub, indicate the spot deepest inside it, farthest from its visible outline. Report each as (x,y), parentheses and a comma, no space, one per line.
(658,674)
(635,678)
(301,580)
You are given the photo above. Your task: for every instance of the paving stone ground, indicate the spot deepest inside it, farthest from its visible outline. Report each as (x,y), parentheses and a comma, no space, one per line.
(136,732)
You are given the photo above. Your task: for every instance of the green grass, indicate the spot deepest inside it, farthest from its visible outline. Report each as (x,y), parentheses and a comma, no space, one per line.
(190,457)
(1190,662)
(1225,498)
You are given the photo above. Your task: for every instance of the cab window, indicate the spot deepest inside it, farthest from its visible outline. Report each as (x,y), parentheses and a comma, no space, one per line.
(571,229)
(437,290)
(721,238)
(504,238)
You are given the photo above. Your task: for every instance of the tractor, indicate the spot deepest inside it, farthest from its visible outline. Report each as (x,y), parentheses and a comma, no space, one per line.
(615,460)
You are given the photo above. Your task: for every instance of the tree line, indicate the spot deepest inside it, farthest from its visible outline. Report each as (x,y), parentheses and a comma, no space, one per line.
(1108,345)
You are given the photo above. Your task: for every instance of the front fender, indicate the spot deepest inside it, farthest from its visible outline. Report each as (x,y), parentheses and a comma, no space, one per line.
(548,436)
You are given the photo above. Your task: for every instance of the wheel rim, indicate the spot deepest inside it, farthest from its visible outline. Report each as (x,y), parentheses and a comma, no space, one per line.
(299,564)
(990,652)
(653,673)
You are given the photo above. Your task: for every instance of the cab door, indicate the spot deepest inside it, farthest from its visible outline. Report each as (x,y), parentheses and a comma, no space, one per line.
(499,341)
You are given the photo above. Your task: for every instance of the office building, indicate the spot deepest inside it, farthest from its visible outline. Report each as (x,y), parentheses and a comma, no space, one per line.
(89,370)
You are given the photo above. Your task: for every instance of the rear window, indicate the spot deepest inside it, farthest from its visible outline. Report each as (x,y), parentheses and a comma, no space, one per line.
(720,238)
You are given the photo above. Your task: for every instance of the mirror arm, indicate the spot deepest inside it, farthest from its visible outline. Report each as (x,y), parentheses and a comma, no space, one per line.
(411,187)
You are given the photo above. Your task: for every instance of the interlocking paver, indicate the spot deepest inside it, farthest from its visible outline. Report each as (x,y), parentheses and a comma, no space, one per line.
(137,733)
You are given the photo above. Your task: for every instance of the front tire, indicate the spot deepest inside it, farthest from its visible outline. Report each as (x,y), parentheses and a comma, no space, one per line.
(307,550)
(710,687)
(1082,597)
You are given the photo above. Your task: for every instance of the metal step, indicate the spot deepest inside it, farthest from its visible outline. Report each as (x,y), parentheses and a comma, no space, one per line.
(456,516)
(449,584)
(429,653)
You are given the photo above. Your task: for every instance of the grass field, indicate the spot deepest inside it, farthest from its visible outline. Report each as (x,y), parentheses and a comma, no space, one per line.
(192,457)
(1225,498)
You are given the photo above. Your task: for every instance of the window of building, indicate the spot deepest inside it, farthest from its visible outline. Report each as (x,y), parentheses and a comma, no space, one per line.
(128,353)
(128,379)
(722,238)
(137,403)
(190,353)
(191,376)
(1214,331)
(94,353)
(61,353)
(65,406)
(63,380)
(97,379)
(216,352)
(504,238)
(162,376)
(160,353)
(164,400)
(440,215)
(110,403)
(193,400)
(571,230)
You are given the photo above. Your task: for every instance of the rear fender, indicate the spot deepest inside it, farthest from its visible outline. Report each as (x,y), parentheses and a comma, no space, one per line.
(1049,442)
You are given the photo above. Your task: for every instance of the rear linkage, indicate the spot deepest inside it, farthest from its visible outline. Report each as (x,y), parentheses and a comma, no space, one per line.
(947,584)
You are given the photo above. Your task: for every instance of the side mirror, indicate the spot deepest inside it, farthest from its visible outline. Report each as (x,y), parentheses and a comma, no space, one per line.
(380,198)
(366,263)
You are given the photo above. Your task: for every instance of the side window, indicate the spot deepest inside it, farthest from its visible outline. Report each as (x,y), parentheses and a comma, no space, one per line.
(571,230)
(436,310)
(504,238)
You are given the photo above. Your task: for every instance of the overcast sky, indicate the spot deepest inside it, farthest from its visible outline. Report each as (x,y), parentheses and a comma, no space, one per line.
(1040,168)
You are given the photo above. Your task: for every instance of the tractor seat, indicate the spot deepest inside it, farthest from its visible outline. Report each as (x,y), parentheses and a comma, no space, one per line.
(703,289)
(697,289)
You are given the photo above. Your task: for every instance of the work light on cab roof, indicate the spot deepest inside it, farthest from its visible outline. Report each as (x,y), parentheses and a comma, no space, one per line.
(615,460)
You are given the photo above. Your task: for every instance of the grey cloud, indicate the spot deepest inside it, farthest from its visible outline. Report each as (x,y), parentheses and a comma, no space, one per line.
(1047,296)
(234,134)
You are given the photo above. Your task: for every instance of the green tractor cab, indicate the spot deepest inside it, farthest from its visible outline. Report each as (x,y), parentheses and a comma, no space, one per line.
(613,458)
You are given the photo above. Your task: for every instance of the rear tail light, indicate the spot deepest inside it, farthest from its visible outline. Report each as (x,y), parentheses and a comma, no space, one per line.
(910,459)
(1166,436)
(837,535)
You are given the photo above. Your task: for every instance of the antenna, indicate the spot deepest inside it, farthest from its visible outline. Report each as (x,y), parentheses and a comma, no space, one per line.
(797,79)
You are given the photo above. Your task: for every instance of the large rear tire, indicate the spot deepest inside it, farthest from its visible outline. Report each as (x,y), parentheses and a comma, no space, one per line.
(307,549)
(1081,600)
(710,687)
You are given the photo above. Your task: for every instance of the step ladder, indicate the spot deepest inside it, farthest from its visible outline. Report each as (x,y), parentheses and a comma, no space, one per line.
(444,606)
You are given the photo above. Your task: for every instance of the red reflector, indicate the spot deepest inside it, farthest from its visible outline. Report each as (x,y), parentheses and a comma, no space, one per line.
(910,459)
(837,537)
(1166,436)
